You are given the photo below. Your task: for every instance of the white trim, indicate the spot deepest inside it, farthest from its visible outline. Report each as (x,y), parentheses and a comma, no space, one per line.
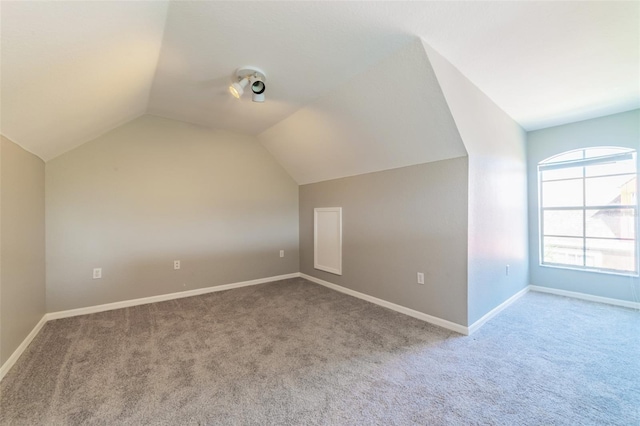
(407,311)
(584,296)
(125,304)
(164,297)
(331,269)
(23,346)
(495,311)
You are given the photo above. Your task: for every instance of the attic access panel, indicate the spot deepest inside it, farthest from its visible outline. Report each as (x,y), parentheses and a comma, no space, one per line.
(327,239)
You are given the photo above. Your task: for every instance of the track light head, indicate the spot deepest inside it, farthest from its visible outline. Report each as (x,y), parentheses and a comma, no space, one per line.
(258,87)
(237,89)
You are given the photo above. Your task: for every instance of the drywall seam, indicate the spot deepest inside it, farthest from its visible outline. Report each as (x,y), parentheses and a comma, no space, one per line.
(95,136)
(389,305)
(21,146)
(155,70)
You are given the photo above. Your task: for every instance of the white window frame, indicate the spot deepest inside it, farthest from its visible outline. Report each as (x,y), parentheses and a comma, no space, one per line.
(548,164)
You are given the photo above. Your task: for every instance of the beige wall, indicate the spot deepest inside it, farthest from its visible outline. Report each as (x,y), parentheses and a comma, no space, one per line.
(22,245)
(157,190)
(397,223)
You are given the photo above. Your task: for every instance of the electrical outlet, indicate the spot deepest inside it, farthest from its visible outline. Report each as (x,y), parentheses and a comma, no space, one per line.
(281,253)
(420,278)
(176,264)
(507,270)
(97,273)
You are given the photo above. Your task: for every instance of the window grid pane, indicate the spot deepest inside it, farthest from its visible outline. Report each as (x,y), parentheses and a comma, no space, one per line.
(566,223)
(620,167)
(571,173)
(611,223)
(563,251)
(609,190)
(615,255)
(589,214)
(563,193)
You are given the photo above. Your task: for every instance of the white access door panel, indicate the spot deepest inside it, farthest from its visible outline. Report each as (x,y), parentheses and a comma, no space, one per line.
(327,239)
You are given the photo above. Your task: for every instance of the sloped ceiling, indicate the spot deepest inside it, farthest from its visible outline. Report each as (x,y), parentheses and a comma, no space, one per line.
(342,134)
(305,48)
(544,63)
(73,70)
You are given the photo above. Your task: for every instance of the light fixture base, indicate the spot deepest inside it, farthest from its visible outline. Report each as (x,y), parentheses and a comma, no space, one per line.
(249,71)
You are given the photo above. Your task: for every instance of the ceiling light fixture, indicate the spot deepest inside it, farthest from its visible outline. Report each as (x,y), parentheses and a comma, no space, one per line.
(246,75)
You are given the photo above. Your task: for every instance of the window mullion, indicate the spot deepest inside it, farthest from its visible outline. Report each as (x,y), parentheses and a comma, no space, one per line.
(541,218)
(584,213)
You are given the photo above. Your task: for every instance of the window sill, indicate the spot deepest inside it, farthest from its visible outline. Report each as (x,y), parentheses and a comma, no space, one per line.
(597,271)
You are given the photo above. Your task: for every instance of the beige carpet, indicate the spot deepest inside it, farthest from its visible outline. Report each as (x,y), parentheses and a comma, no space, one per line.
(293,353)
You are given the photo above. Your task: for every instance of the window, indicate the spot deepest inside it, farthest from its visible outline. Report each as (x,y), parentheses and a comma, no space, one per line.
(589,210)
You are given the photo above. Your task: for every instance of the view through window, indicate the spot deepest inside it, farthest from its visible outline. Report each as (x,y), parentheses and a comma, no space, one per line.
(589,210)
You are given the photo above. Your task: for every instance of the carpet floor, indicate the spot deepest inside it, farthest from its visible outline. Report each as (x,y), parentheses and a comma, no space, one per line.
(293,353)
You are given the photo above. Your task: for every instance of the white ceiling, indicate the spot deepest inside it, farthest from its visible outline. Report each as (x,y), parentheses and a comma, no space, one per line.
(306,50)
(72,70)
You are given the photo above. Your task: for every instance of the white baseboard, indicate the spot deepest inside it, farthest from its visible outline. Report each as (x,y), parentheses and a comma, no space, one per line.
(584,296)
(163,297)
(125,304)
(495,311)
(398,308)
(23,346)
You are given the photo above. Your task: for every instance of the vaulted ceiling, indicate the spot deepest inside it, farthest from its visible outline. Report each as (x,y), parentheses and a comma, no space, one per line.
(71,71)
(392,115)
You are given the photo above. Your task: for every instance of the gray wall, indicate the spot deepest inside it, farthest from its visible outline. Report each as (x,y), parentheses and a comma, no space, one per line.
(22,245)
(497,191)
(157,190)
(613,130)
(397,223)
